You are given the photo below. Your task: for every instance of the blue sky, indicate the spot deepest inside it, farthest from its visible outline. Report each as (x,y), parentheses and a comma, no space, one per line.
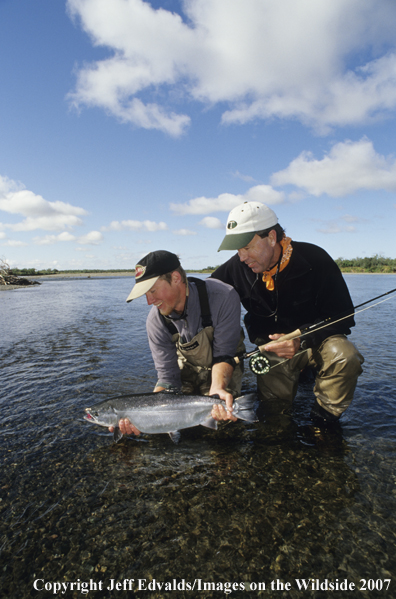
(128,126)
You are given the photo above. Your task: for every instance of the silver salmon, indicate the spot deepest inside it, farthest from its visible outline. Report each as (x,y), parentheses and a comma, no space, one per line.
(165,412)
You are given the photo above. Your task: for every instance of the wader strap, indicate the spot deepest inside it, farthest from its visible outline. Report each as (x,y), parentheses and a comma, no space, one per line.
(203,302)
(169,325)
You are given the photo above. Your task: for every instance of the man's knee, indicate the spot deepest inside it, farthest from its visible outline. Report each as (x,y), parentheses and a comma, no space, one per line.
(339,366)
(339,354)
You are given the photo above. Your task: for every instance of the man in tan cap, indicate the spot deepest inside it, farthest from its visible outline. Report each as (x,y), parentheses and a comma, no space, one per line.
(284,286)
(193,329)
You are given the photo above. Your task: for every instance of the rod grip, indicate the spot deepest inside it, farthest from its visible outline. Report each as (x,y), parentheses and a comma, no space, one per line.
(286,337)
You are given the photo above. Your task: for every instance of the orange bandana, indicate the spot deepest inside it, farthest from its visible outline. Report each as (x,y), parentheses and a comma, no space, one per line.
(286,254)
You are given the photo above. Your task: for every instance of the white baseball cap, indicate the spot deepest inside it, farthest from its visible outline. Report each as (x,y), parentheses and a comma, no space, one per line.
(244,222)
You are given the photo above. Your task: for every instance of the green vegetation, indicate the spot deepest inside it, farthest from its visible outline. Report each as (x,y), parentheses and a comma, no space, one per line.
(374,264)
(32,272)
(204,270)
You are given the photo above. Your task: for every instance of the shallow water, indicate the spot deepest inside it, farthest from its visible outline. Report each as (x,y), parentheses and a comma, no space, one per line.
(273,501)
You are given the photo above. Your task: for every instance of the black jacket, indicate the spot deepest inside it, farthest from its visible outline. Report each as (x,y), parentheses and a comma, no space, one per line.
(309,290)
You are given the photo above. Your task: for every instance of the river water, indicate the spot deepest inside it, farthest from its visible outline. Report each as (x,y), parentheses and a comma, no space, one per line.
(273,505)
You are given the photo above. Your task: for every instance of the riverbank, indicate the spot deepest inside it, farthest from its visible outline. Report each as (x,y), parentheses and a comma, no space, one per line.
(82,275)
(106,274)
(67,276)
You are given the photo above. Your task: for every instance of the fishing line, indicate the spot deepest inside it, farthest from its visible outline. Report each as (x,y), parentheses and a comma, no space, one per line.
(349,315)
(260,364)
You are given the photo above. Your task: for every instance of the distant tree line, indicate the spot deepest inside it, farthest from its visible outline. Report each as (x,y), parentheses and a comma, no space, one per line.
(32,272)
(373,264)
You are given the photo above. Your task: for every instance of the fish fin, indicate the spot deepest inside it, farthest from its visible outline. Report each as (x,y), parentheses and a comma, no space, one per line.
(210,423)
(175,436)
(117,434)
(244,407)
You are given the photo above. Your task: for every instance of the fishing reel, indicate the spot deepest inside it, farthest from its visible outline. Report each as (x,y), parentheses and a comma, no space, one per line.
(259,364)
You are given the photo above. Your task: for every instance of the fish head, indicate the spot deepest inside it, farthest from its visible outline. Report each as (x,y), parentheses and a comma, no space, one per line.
(99,417)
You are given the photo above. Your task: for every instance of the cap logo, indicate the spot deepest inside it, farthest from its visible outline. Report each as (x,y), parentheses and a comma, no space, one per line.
(232,224)
(139,271)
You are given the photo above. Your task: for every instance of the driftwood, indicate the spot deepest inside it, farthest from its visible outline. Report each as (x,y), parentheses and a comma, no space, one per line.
(8,278)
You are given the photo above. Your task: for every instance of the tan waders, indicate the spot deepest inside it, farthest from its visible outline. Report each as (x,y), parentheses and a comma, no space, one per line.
(195,362)
(195,358)
(338,365)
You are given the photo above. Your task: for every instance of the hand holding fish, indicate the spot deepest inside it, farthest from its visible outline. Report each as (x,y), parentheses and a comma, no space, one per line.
(283,349)
(220,412)
(221,376)
(126,427)
(163,413)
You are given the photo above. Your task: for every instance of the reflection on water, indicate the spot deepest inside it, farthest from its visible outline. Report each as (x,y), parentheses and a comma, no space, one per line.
(276,500)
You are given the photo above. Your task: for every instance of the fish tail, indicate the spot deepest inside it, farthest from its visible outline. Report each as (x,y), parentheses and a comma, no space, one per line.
(244,407)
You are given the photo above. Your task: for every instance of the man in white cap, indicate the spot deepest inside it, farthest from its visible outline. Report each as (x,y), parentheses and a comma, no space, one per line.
(284,286)
(194,331)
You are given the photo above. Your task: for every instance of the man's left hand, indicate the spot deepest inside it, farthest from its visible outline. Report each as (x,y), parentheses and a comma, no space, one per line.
(283,349)
(219,412)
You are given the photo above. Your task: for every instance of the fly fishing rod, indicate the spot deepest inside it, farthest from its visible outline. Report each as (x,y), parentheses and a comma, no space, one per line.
(259,364)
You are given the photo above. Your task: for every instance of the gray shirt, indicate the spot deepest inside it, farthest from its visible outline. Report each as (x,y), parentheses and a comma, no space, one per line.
(225,310)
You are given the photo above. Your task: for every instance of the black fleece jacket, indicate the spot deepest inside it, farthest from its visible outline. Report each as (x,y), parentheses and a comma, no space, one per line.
(309,290)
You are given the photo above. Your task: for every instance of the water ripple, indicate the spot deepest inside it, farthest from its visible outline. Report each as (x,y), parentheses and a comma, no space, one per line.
(251,502)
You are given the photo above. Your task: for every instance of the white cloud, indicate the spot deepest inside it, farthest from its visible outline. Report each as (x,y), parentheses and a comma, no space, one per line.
(51,239)
(266,59)
(14,243)
(211,222)
(226,201)
(350,218)
(91,238)
(184,232)
(333,227)
(146,44)
(136,225)
(38,213)
(348,167)
(246,178)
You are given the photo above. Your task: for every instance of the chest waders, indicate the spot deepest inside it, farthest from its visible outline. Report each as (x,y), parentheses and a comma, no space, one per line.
(195,358)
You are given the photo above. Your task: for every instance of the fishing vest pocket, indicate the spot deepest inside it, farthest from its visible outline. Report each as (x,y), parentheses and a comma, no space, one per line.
(197,354)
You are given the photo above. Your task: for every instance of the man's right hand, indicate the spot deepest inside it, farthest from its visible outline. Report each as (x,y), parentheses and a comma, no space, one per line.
(126,427)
